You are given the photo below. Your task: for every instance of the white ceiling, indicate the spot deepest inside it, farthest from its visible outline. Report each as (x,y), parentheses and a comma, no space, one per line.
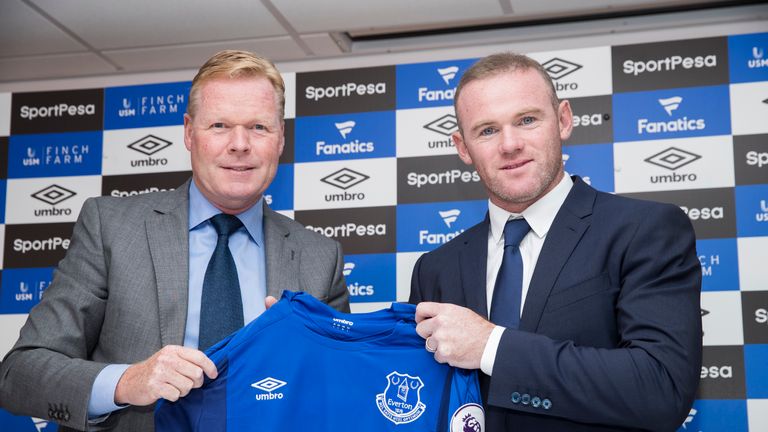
(50,39)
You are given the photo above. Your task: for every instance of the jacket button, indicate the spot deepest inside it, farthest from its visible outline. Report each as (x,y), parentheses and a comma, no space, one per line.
(546,404)
(515,397)
(526,399)
(536,402)
(66,416)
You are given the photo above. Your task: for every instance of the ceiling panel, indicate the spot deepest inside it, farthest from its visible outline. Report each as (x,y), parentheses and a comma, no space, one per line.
(193,56)
(321,44)
(343,15)
(53,66)
(527,7)
(146,23)
(24,32)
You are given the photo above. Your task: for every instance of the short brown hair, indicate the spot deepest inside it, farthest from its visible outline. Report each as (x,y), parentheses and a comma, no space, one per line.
(496,64)
(237,64)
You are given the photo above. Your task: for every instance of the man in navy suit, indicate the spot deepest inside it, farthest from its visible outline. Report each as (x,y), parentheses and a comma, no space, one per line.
(601,328)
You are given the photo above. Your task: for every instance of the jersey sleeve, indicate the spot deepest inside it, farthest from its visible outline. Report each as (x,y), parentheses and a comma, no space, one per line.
(465,406)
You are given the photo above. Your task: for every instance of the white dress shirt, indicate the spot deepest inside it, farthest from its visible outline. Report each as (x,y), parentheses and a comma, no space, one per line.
(539,216)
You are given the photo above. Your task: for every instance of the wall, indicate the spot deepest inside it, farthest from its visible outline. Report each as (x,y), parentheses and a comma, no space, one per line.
(375,169)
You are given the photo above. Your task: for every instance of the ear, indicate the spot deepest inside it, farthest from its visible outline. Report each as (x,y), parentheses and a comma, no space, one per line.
(565,120)
(188,132)
(281,145)
(461,147)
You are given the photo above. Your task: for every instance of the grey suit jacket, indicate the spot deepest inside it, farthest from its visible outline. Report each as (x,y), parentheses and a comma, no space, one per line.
(120,294)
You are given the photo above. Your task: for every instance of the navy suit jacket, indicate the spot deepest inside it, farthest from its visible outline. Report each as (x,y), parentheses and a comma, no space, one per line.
(610,333)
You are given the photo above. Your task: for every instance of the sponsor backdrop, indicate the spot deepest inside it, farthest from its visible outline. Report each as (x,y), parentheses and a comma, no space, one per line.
(369,161)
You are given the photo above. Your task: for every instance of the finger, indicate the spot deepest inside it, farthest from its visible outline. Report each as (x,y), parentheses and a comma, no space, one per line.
(426,310)
(269,301)
(199,359)
(180,382)
(426,328)
(169,392)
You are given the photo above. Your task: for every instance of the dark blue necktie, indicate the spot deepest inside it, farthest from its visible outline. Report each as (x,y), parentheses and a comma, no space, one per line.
(221,308)
(508,292)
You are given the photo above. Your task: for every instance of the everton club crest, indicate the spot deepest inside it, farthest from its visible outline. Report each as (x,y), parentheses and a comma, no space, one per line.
(401,400)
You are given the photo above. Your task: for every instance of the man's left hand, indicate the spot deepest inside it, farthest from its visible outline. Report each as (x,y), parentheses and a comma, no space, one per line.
(457,334)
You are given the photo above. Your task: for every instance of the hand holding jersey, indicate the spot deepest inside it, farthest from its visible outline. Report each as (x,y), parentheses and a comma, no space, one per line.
(447,326)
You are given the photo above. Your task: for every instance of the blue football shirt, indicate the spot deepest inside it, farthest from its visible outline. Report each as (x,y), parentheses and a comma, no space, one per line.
(304,366)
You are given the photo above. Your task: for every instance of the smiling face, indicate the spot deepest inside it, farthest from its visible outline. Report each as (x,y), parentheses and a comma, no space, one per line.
(235,139)
(511,132)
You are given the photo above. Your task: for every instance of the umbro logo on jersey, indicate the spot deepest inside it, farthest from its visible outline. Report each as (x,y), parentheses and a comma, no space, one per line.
(670,104)
(448,73)
(268,385)
(345,128)
(445,125)
(558,68)
(449,216)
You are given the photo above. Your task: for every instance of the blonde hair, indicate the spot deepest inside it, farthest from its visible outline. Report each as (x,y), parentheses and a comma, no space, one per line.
(237,64)
(497,64)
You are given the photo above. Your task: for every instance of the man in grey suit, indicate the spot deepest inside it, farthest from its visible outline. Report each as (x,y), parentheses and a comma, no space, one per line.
(119,326)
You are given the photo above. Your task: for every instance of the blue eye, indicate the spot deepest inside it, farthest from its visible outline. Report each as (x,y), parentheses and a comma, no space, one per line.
(527,120)
(487,131)
(218,125)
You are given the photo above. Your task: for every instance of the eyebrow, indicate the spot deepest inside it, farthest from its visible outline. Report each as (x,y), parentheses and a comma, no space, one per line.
(522,113)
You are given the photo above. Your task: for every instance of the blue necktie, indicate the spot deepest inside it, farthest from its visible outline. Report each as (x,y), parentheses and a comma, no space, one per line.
(221,308)
(508,292)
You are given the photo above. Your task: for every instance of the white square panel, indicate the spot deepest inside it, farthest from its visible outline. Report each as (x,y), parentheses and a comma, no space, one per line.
(721,318)
(5,114)
(405,263)
(757,414)
(578,72)
(11,324)
(753,263)
(749,108)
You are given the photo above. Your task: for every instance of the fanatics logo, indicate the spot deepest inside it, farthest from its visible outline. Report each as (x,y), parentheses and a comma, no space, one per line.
(448,73)
(558,68)
(449,216)
(53,194)
(348,267)
(445,125)
(689,419)
(673,158)
(149,145)
(344,178)
(345,128)
(40,424)
(670,104)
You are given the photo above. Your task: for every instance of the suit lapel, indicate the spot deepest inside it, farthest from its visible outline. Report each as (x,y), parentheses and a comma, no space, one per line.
(168,238)
(472,262)
(567,230)
(281,255)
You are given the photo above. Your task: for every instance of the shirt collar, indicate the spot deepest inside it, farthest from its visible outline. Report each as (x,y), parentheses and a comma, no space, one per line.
(539,215)
(200,210)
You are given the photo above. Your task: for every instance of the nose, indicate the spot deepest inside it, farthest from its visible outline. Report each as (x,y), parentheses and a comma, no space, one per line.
(239,140)
(510,141)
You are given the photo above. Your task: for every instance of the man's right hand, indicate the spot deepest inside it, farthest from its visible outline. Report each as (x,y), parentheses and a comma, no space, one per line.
(169,374)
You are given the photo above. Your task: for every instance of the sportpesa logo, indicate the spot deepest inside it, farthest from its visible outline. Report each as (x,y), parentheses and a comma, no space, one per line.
(58,110)
(439,178)
(345,90)
(668,64)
